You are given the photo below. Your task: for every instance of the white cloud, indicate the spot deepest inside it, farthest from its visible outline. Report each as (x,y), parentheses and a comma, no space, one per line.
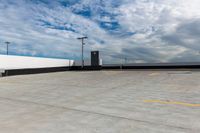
(51,30)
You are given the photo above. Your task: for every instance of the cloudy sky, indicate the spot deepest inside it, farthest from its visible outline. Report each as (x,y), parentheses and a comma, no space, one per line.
(139,30)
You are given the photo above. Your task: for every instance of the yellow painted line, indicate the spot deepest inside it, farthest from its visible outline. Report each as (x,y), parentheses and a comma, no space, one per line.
(154,74)
(172,103)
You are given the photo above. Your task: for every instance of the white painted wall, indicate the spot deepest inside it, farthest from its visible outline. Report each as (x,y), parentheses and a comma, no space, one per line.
(20,62)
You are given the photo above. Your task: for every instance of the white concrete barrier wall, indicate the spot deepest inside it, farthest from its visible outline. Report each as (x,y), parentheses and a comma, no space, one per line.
(21,62)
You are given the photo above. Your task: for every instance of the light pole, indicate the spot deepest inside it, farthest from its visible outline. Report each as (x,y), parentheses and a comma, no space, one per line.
(82,42)
(125,60)
(7,47)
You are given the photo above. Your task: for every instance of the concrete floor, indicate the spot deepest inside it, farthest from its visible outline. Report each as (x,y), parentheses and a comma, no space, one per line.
(101,102)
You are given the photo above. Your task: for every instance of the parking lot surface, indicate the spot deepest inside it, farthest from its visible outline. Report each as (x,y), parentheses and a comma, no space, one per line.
(101,102)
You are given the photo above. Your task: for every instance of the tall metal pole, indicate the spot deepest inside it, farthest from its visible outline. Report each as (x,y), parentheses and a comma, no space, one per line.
(7,47)
(125,60)
(82,53)
(82,49)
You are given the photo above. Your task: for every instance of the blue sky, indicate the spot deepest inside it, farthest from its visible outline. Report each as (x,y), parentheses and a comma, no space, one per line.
(139,30)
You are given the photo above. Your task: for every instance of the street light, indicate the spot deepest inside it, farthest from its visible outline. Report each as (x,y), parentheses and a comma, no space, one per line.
(82,42)
(7,47)
(125,60)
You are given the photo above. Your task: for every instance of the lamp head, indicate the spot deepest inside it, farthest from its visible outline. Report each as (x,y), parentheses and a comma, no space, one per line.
(7,42)
(80,38)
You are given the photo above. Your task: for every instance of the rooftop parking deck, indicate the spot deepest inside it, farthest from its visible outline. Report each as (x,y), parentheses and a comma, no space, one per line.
(101,102)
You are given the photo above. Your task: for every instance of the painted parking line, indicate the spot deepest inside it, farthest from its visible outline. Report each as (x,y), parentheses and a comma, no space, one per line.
(172,103)
(154,74)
